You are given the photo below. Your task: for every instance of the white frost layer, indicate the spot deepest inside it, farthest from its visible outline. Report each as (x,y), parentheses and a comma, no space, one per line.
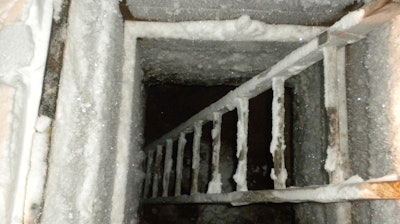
(278,116)
(57,5)
(82,162)
(215,186)
(242,29)
(240,176)
(389,177)
(37,171)
(349,20)
(330,193)
(281,177)
(331,160)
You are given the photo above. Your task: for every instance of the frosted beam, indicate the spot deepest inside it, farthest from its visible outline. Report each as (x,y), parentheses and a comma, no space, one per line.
(157,171)
(179,163)
(196,157)
(277,148)
(215,184)
(167,167)
(337,162)
(240,176)
(147,180)
(337,153)
(389,190)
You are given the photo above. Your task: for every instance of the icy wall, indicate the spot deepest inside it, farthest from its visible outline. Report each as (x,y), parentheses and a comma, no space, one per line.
(305,12)
(82,160)
(308,143)
(372,80)
(24,33)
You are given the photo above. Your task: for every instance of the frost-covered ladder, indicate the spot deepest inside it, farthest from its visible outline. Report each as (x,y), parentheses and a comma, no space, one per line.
(329,47)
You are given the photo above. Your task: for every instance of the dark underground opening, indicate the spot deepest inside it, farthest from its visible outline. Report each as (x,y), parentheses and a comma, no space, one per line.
(169,105)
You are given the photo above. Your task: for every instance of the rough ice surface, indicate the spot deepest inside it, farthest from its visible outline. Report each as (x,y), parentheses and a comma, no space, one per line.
(395,92)
(37,171)
(309,150)
(306,12)
(82,160)
(370,85)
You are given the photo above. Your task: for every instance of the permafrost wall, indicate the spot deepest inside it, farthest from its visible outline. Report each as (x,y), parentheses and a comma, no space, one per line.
(82,161)
(90,165)
(373,115)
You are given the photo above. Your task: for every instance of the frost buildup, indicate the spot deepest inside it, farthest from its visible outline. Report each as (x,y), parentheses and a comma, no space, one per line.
(277,148)
(179,163)
(167,167)
(215,184)
(196,156)
(240,176)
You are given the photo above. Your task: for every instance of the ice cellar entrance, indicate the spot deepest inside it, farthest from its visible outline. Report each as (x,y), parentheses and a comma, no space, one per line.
(246,122)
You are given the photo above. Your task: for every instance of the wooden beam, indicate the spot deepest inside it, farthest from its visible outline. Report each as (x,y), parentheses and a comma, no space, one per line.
(386,190)
(167,167)
(196,157)
(157,171)
(277,147)
(240,176)
(214,186)
(147,180)
(179,163)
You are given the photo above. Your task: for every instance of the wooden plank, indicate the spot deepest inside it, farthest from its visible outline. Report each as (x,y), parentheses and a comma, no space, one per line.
(196,157)
(179,163)
(331,107)
(157,171)
(337,163)
(167,167)
(214,186)
(386,190)
(277,147)
(147,180)
(240,176)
